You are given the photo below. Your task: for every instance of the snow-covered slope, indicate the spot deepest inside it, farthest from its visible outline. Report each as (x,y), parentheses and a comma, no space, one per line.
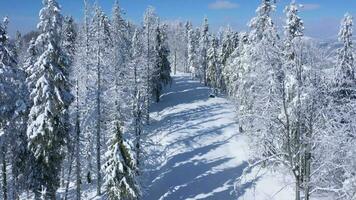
(196,152)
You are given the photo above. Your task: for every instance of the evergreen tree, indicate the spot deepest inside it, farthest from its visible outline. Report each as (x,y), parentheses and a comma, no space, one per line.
(150,23)
(69,43)
(9,84)
(102,42)
(137,65)
(162,69)
(229,43)
(50,99)
(203,51)
(120,168)
(261,24)
(214,68)
(345,73)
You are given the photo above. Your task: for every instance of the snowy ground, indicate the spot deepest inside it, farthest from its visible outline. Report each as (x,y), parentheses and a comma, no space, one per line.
(196,152)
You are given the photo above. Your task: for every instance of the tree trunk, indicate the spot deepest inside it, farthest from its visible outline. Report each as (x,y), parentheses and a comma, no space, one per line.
(69,175)
(175,62)
(77,148)
(297,189)
(98,122)
(148,77)
(4,173)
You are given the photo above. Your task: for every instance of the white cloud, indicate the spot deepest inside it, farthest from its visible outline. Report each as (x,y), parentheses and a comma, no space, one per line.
(223,5)
(310,6)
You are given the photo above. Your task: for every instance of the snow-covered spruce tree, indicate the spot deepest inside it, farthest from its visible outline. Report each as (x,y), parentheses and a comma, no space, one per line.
(50,99)
(214,68)
(120,62)
(19,48)
(187,28)
(161,68)
(137,65)
(69,45)
(345,72)
(260,24)
(193,45)
(203,52)
(229,43)
(27,162)
(12,111)
(120,168)
(69,38)
(234,67)
(150,23)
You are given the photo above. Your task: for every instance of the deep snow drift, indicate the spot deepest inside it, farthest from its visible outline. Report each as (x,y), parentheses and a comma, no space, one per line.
(196,152)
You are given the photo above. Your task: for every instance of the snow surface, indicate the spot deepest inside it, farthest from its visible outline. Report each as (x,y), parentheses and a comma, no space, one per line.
(195,151)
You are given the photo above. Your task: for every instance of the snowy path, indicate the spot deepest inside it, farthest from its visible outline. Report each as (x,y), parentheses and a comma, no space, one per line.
(195,145)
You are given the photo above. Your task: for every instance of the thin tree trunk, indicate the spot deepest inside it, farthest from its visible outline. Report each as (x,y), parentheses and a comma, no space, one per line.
(86,27)
(68,177)
(4,173)
(175,62)
(148,76)
(98,125)
(77,148)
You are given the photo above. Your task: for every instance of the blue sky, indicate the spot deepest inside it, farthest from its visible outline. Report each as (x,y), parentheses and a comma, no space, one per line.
(322,17)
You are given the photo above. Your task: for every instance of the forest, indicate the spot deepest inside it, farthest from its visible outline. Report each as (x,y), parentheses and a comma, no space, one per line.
(80,101)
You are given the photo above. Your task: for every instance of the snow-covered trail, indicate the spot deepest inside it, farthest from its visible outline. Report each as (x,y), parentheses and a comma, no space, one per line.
(194,146)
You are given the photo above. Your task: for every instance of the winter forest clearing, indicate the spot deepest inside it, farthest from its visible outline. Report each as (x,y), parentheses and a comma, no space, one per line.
(108,108)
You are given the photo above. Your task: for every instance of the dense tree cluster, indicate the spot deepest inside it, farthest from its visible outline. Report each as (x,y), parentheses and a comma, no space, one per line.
(73,90)
(74,98)
(296,106)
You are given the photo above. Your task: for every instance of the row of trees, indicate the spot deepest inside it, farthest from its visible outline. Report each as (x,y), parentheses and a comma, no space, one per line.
(73,90)
(296,104)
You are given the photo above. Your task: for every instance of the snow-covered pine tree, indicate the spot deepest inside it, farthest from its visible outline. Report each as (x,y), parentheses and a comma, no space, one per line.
(102,42)
(192,50)
(214,68)
(261,24)
(120,62)
(50,99)
(345,72)
(19,48)
(150,23)
(85,62)
(120,168)
(187,28)
(137,63)
(84,106)
(161,68)
(203,51)
(69,38)
(13,118)
(229,43)
(234,67)
(69,45)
